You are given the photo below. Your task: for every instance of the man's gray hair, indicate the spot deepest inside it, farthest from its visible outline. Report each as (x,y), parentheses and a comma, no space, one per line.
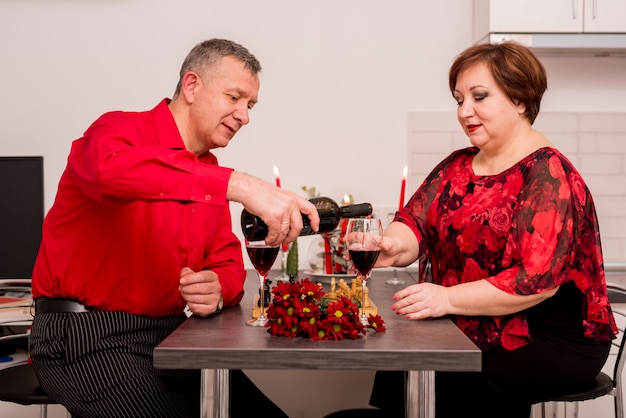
(206,54)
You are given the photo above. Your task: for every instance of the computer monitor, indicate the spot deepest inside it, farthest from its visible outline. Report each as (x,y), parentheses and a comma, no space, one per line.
(21,214)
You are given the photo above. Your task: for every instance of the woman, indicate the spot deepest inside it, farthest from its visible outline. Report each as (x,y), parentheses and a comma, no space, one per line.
(511,234)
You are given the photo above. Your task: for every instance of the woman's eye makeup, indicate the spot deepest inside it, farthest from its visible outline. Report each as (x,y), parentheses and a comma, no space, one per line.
(477,98)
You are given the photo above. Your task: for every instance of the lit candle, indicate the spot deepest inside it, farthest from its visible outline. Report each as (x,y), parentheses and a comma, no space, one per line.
(277,176)
(283,247)
(402,188)
(346,200)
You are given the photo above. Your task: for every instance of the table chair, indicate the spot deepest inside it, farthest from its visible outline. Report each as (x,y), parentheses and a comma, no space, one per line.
(603,383)
(19,384)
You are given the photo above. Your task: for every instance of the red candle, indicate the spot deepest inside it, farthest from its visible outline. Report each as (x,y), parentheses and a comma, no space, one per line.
(283,247)
(402,188)
(328,255)
(344,221)
(277,176)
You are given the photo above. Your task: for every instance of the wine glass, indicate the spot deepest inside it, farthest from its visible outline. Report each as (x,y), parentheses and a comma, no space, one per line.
(262,257)
(363,237)
(284,253)
(394,281)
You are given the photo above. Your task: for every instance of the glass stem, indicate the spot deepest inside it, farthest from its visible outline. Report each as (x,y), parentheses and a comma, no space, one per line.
(363,295)
(262,297)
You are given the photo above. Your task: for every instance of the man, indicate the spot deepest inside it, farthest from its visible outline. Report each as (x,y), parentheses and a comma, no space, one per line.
(141,228)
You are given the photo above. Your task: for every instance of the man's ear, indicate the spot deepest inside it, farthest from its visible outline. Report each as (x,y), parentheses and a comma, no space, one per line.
(189,87)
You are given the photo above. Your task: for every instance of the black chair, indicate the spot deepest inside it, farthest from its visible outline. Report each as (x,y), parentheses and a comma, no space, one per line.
(19,384)
(603,383)
(357,413)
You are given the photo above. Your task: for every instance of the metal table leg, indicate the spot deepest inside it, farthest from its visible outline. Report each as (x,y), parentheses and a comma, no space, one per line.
(214,393)
(420,394)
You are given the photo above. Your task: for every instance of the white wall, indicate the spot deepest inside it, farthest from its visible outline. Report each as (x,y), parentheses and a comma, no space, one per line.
(339,78)
(338,82)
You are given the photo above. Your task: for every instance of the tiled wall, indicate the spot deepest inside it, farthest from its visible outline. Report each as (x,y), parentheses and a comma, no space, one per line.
(594,142)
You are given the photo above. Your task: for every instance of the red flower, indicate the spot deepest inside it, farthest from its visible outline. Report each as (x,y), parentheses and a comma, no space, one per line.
(283,293)
(377,323)
(308,289)
(301,309)
(284,323)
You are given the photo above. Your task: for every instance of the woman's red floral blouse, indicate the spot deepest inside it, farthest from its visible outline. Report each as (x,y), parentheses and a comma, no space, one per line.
(526,230)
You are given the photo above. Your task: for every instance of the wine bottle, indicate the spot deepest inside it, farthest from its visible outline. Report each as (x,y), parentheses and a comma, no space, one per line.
(254,229)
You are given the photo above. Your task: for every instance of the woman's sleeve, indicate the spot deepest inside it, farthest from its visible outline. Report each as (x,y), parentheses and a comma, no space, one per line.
(539,249)
(415,212)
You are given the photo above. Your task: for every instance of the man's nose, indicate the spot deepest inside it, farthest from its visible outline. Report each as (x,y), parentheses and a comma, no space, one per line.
(242,115)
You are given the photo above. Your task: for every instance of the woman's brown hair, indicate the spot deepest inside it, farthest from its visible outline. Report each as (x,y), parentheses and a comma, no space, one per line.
(516,70)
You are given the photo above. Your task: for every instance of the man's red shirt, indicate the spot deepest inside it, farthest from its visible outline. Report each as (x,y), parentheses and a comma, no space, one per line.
(133,208)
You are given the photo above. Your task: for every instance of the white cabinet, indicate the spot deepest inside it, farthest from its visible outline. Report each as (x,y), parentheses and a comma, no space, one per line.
(554,16)
(532,16)
(602,16)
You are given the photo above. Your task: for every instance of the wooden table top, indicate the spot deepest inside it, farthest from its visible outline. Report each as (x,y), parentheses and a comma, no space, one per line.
(224,341)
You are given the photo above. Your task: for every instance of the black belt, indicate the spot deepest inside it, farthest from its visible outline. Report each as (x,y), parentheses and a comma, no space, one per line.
(55,305)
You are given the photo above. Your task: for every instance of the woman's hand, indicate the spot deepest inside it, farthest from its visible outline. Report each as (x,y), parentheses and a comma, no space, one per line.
(399,246)
(420,301)
(480,297)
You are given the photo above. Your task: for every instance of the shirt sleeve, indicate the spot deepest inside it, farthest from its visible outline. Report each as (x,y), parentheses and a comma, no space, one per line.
(120,160)
(225,258)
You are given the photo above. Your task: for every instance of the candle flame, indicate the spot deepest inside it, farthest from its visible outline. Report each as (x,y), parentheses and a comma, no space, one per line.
(404,171)
(276,171)
(346,199)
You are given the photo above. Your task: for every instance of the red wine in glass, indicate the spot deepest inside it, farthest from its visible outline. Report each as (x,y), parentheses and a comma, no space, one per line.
(364,260)
(363,238)
(262,257)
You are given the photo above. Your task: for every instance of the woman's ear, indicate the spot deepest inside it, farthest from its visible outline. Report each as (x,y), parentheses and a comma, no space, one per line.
(521,107)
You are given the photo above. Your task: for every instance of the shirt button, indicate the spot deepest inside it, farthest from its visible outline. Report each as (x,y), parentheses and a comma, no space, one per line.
(161,194)
(207,197)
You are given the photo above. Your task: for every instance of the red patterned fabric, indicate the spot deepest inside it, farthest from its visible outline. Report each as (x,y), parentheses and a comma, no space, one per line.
(526,230)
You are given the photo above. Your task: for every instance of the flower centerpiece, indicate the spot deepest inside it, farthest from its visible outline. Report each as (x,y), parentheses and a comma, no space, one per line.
(301,309)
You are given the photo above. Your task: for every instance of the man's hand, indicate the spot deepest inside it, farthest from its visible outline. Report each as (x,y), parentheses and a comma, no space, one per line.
(201,290)
(280,209)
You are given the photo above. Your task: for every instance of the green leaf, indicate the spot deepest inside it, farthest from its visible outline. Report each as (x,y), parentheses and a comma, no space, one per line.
(292,259)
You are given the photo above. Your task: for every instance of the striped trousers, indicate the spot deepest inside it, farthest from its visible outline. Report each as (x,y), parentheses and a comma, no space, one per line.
(99,365)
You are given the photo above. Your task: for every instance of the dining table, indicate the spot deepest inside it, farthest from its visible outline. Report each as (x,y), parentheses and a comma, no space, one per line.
(221,342)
